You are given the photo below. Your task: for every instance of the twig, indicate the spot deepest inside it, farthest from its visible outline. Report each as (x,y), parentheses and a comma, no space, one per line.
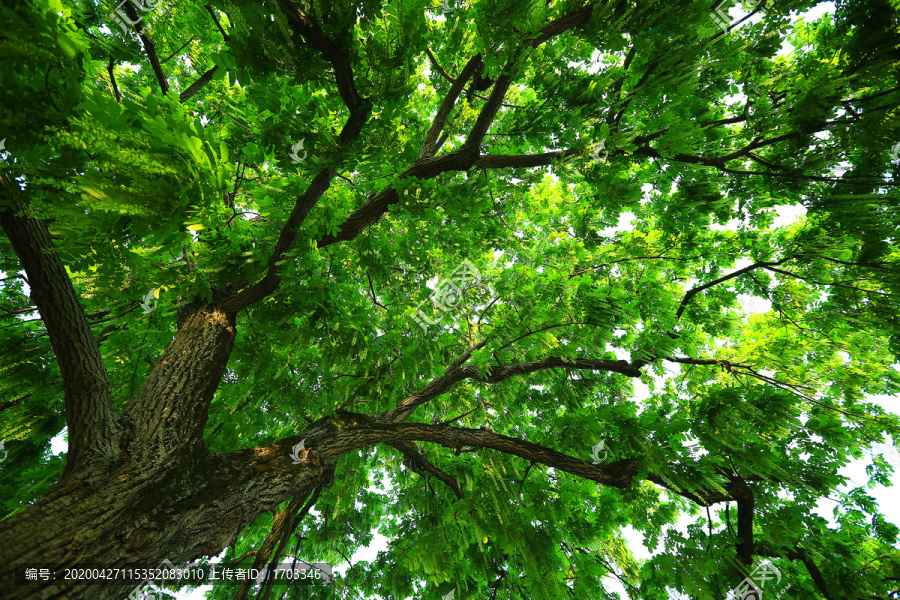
(213,15)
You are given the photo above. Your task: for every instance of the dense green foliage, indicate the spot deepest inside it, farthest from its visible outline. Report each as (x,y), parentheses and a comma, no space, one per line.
(704,133)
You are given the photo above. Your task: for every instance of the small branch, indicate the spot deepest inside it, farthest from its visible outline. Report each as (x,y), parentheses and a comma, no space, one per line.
(198,85)
(174,54)
(465,414)
(112,79)
(23,311)
(440,385)
(374,299)
(216,20)
(465,356)
(524,477)
(525,335)
(691,293)
(429,144)
(149,48)
(418,463)
(802,278)
(438,67)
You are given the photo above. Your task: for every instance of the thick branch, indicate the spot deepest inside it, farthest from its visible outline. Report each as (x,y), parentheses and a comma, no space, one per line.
(429,144)
(198,85)
(501,161)
(343,73)
(89,416)
(172,405)
(420,464)
(216,20)
(562,25)
(428,167)
(149,47)
(745,508)
(329,438)
(359,113)
(441,385)
(490,109)
(281,525)
(803,556)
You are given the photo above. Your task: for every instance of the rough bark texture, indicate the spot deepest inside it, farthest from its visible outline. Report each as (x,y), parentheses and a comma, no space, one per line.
(85,380)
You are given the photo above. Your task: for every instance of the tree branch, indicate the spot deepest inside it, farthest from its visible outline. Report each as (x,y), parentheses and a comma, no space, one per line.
(343,73)
(198,85)
(359,113)
(112,79)
(428,167)
(216,21)
(438,67)
(420,464)
(149,48)
(88,398)
(330,438)
(441,385)
(429,144)
(691,293)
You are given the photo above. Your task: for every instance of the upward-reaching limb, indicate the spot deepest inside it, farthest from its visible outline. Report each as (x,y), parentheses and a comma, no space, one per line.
(89,416)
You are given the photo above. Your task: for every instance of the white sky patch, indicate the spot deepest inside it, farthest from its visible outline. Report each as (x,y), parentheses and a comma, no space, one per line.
(625,224)
(813,14)
(59,444)
(788,214)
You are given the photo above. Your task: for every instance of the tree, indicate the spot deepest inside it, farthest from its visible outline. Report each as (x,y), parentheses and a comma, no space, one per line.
(261,255)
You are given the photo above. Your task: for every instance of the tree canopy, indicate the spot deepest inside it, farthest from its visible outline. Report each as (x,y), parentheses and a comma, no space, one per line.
(519,259)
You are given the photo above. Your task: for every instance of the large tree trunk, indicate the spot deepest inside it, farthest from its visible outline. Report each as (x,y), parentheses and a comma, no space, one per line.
(134,513)
(153,491)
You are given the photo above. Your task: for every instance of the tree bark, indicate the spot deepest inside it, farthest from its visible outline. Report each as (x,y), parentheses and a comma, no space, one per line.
(153,491)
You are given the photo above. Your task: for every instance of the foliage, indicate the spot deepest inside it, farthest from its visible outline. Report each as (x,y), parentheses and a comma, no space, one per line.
(706,132)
